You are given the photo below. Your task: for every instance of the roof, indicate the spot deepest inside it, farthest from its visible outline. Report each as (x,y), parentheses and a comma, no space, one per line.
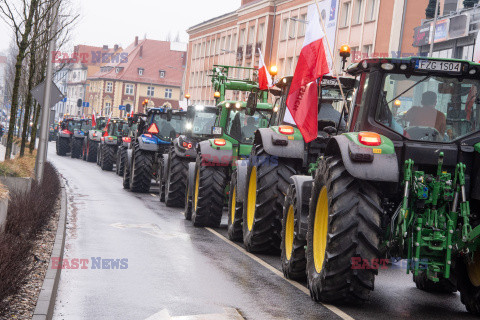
(152,56)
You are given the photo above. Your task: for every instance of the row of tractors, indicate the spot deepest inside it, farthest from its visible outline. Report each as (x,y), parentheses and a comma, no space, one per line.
(372,186)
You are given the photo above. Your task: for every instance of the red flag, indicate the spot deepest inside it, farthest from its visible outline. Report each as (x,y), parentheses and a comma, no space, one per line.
(108,122)
(264,78)
(312,65)
(94,119)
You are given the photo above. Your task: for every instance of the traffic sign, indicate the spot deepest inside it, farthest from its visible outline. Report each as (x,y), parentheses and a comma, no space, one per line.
(121,108)
(39,93)
(86,104)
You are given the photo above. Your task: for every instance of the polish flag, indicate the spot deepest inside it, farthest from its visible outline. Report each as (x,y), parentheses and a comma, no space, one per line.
(108,121)
(94,119)
(264,78)
(302,100)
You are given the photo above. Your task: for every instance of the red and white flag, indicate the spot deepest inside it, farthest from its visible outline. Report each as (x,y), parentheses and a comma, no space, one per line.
(94,119)
(302,100)
(264,78)
(108,121)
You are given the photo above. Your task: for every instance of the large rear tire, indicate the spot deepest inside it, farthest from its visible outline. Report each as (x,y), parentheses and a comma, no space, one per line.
(294,261)
(344,226)
(62,146)
(77,146)
(126,175)
(188,201)
(443,286)
(92,148)
(175,185)
(268,179)
(141,175)
(235,212)
(209,190)
(108,157)
(121,160)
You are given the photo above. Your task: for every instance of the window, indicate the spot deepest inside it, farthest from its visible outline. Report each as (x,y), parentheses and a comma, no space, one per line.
(357,16)
(222,45)
(217,46)
(109,87)
(117,70)
(108,107)
(228,43)
(281,65)
(129,89)
(203,49)
(292,31)
(162,73)
(284,29)
(261,32)
(150,91)
(251,35)
(344,21)
(140,71)
(242,38)
(234,43)
(302,25)
(367,50)
(168,93)
(450,6)
(288,70)
(208,47)
(370,10)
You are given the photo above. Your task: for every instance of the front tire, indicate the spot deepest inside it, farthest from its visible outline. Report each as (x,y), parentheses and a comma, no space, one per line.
(294,261)
(344,226)
(235,211)
(121,160)
(108,157)
(62,146)
(210,182)
(92,148)
(77,146)
(468,282)
(175,185)
(141,175)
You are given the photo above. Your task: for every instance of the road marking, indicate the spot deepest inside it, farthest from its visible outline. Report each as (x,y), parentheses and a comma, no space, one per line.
(153,195)
(153,230)
(230,314)
(297,285)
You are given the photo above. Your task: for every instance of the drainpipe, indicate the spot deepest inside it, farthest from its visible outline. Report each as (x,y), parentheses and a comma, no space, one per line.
(405,3)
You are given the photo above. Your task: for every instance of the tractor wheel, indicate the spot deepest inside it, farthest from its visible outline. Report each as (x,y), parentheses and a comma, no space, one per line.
(443,286)
(126,176)
(235,210)
(77,146)
(62,146)
(84,151)
(267,185)
(108,157)
(141,175)
(209,194)
(121,160)
(188,202)
(92,148)
(161,180)
(175,184)
(99,153)
(344,226)
(294,261)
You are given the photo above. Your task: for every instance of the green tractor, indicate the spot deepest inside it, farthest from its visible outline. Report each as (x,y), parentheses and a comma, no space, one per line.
(155,133)
(78,137)
(402,183)
(110,142)
(129,130)
(92,140)
(173,171)
(221,160)
(279,152)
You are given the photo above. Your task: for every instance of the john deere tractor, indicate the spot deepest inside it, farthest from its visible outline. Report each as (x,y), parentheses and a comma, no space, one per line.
(173,171)
(78,137)
(65,134)
(156,131)
(403,182)
(109,143)
(92,140)
(222,159)
(129,130)
(278,153)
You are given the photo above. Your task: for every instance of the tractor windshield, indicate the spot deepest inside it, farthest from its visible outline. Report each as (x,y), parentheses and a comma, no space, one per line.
(429,108)
(86,126)
(242,127)
(203,122)
(169,130)
(74,125)
(101,123)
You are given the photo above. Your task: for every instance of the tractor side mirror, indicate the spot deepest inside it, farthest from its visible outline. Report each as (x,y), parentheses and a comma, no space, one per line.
(251,104)
(169,115)
(217,131)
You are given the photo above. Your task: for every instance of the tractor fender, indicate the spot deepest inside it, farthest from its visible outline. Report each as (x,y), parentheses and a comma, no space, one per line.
(78,135)
(191,177)
(165,159)
(91,137)
(129,157)
(293,148)
(64,135)
(215,155)
(241,172)
(147,145)
(111,142)
(383,168)
(303,187)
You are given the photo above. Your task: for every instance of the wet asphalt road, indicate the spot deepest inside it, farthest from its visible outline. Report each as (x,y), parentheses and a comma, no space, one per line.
(176,268)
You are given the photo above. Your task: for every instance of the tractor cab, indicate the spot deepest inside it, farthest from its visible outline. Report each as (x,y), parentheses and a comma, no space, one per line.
(101,123)
(424,106)
(86,125)
(164,124)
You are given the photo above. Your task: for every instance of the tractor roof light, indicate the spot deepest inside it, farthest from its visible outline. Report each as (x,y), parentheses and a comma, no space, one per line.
(227,105)
(273,70)
(187,96)
(370,139)
(287,130)
(216,95)
(388,66)
(397,103)
(238,105)
(219,142)
(153,129)
(345,51)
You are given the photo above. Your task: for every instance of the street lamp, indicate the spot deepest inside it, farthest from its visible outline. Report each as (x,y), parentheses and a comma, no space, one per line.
(187,96)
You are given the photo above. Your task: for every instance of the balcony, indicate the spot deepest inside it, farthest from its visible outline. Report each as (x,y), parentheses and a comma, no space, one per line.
(248,51)
(240,53)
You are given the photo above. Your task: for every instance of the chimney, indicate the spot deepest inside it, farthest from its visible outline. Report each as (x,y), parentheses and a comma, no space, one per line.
(115,48)
(136,41)
(141,51)
(105,47)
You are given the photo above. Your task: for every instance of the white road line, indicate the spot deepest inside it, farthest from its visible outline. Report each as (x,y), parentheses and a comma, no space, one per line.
(153,195)
(297,285)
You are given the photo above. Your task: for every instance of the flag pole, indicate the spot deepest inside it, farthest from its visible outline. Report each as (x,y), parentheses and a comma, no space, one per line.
(331,55)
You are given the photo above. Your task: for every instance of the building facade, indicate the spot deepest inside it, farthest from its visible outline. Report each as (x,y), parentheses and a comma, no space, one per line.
(277,28)
(147,70)
(60,78)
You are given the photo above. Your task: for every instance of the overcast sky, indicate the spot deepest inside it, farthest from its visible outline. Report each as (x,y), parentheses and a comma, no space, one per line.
(109,22)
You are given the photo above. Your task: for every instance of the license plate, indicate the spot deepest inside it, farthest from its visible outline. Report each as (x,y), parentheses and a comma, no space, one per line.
(442,66)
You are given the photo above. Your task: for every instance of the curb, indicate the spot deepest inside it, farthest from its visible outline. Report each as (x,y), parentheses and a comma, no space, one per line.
(48,294)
